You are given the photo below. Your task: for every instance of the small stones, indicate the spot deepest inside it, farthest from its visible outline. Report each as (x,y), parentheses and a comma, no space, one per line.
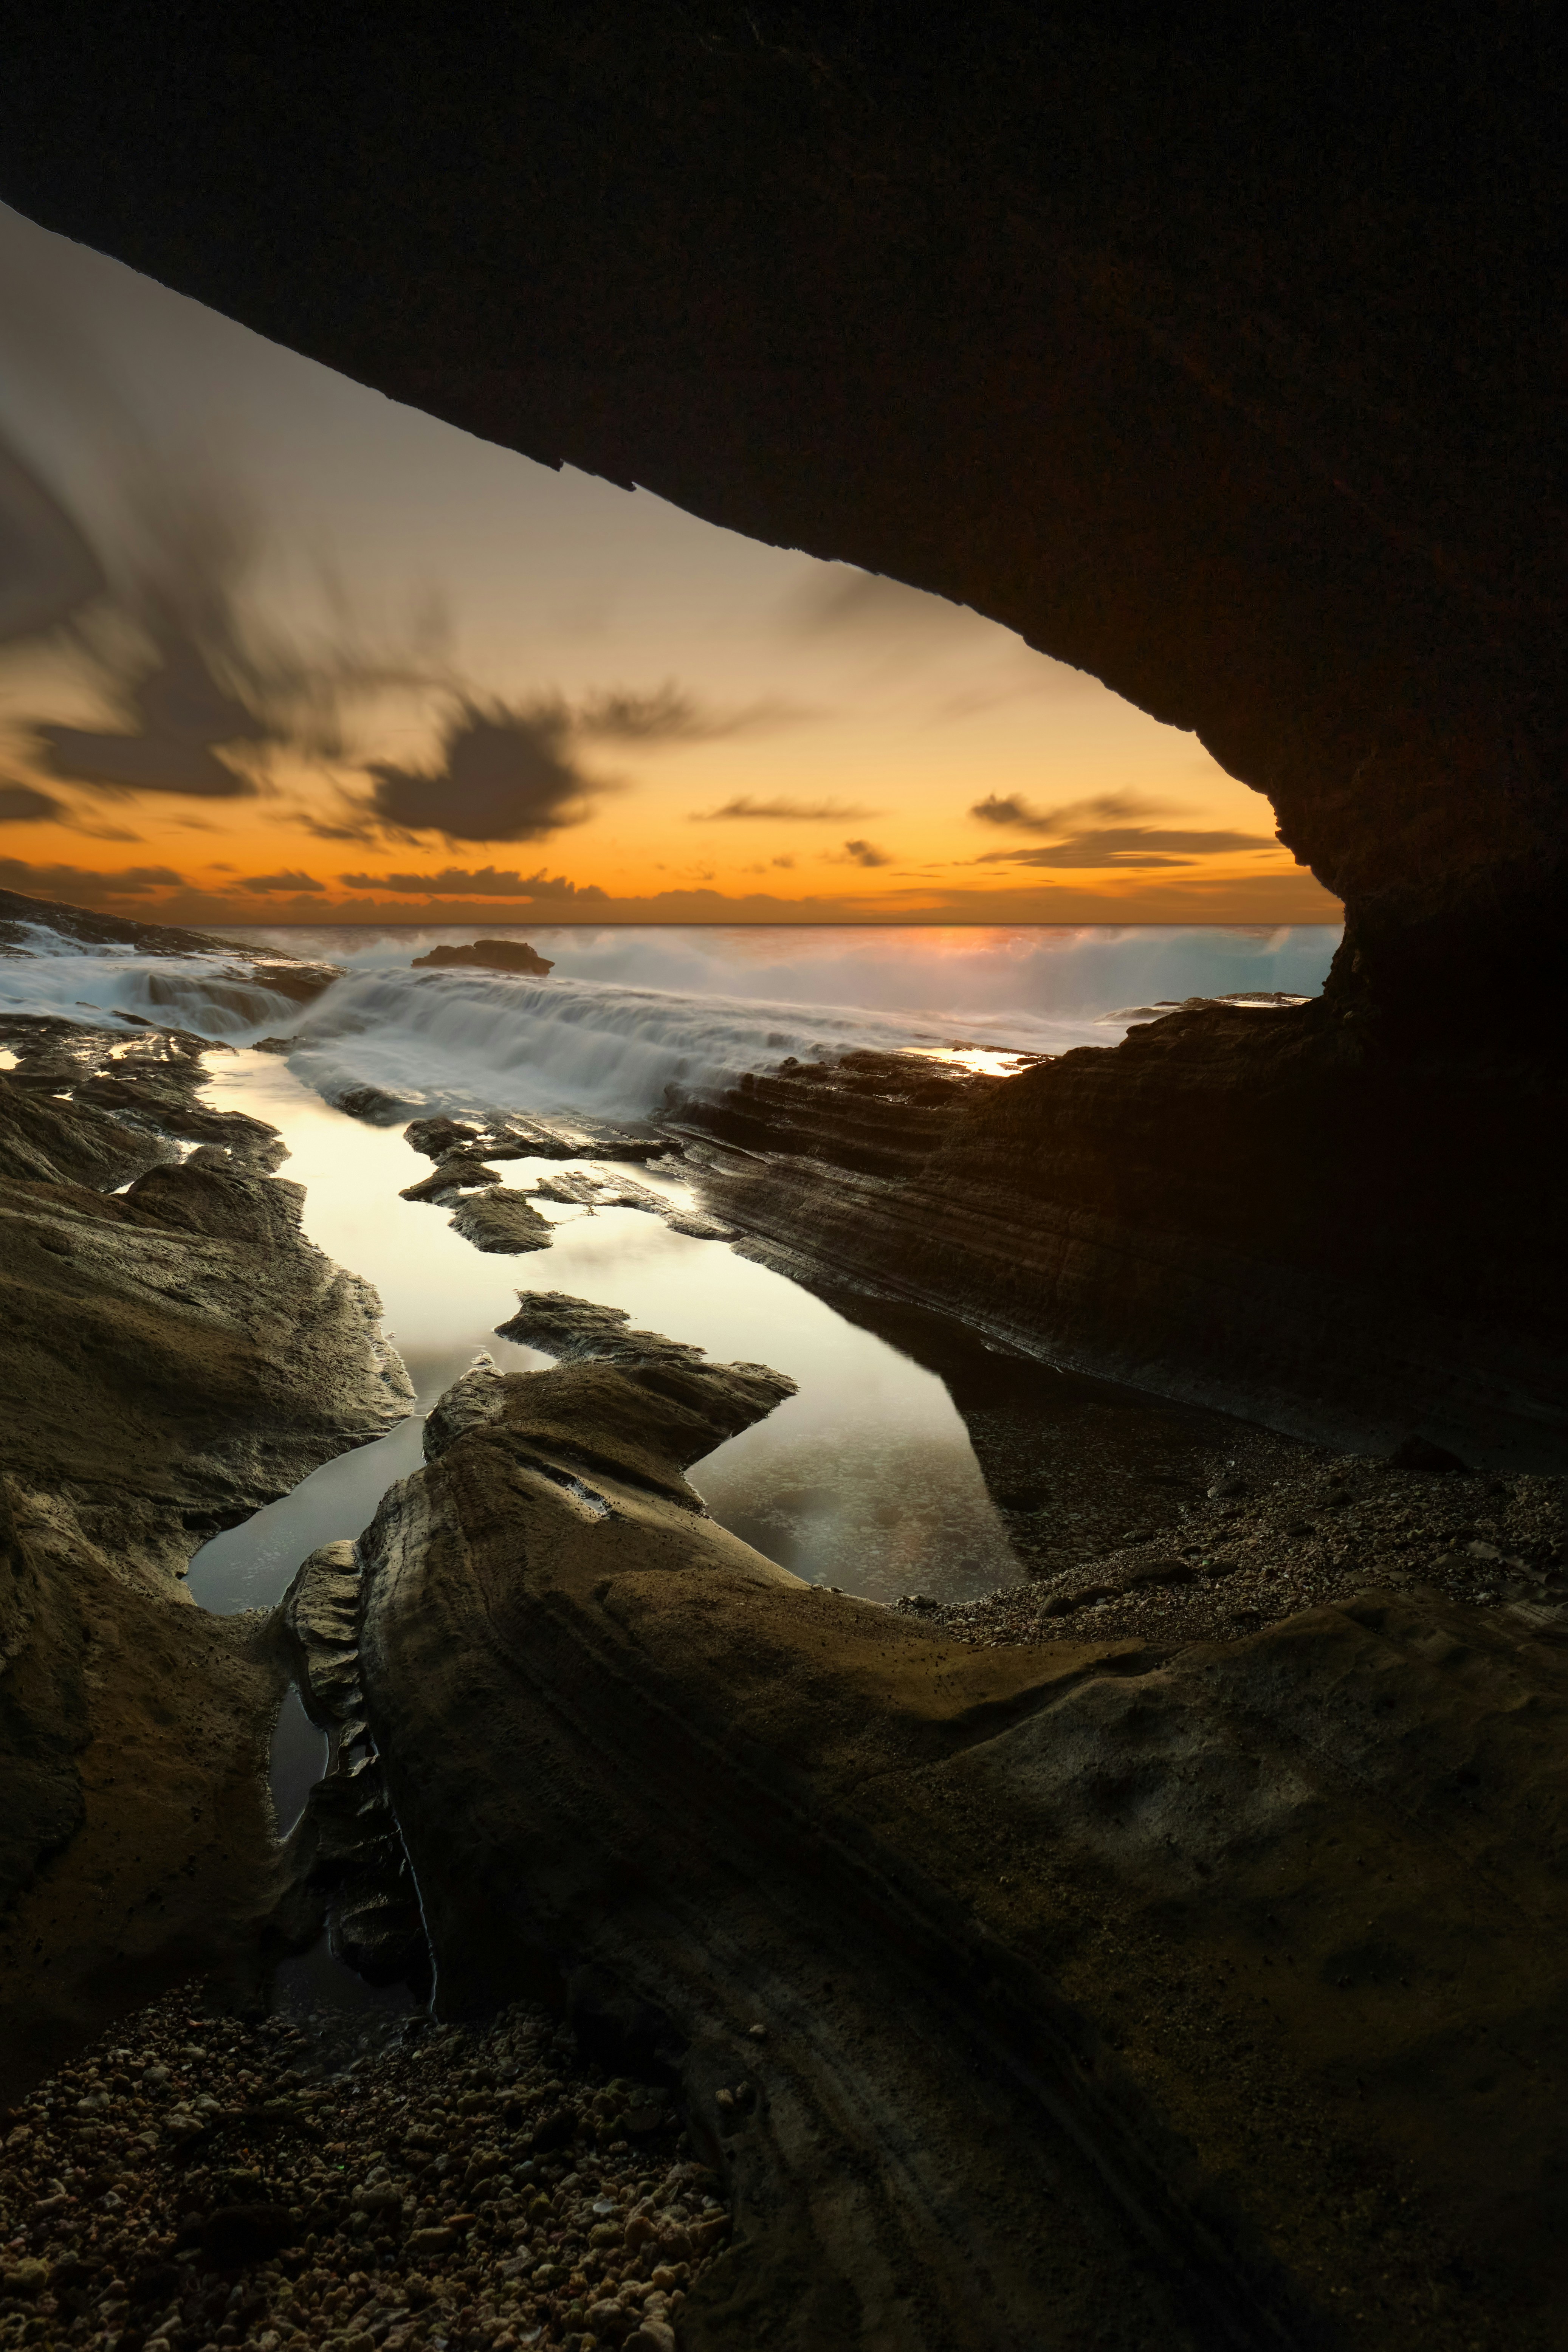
(1476,1540)
(335,2216)
(652,2336)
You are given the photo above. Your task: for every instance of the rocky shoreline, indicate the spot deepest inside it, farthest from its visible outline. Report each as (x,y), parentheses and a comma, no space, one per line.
(1163,1954)
(330,2180)
(177,1353)
(1278,1533)
(1202,1906)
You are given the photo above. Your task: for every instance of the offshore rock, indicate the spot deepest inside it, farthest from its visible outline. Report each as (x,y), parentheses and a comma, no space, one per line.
(1180,1948)
(489,955)
(437,1137)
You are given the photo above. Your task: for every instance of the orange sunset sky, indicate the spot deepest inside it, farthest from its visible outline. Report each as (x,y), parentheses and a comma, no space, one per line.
(347,664)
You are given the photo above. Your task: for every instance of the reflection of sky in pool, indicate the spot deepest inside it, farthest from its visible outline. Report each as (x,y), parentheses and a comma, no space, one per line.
(865,1479)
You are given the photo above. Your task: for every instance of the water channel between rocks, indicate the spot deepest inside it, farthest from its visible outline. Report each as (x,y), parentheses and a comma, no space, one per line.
(865,1479)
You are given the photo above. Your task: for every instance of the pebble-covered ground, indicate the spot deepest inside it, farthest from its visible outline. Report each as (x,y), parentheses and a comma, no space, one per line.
(346,2179)
(1281,1531)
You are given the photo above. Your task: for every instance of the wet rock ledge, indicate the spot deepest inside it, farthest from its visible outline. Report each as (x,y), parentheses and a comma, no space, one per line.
(177,1353)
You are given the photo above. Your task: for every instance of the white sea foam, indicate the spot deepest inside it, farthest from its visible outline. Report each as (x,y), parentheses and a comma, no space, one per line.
(499,1041)
(205,993)
(628,1014)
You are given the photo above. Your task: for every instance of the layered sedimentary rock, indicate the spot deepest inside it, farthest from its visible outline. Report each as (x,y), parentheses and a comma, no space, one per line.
(177,1353)
(1062,1992)
(1251,1208)
(502,1221)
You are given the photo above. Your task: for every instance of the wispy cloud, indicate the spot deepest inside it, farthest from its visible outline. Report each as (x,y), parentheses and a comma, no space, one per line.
(481,882)
(861,853)
(78,887)
(178,717)
(671,714)
(783,812)
(1107,808)
(1093,832)
(288,880)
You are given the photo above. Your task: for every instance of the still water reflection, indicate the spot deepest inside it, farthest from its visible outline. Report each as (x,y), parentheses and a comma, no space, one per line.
(865,1479)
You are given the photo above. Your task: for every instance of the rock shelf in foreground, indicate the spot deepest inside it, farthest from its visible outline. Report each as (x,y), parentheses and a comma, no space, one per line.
(1114,1989)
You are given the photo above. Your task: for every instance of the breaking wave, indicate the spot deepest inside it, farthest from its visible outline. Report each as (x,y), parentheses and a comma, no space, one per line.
(122,988)
(456,1040)
(640,1012)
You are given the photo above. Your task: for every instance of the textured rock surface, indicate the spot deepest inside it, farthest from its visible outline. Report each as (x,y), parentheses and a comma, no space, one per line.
(176,1354)
(346,1866)
(1208,1211)
(502,1221)
(138,1834)
(1106,1992)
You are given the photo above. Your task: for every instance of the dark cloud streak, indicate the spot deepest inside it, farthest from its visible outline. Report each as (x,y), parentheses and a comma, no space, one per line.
(77,886)
(48,569)
(287,880)
(1094,832)
(21,804)
(673,715)
(485,881)
(505,774)
(1127,845)
(782,812)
